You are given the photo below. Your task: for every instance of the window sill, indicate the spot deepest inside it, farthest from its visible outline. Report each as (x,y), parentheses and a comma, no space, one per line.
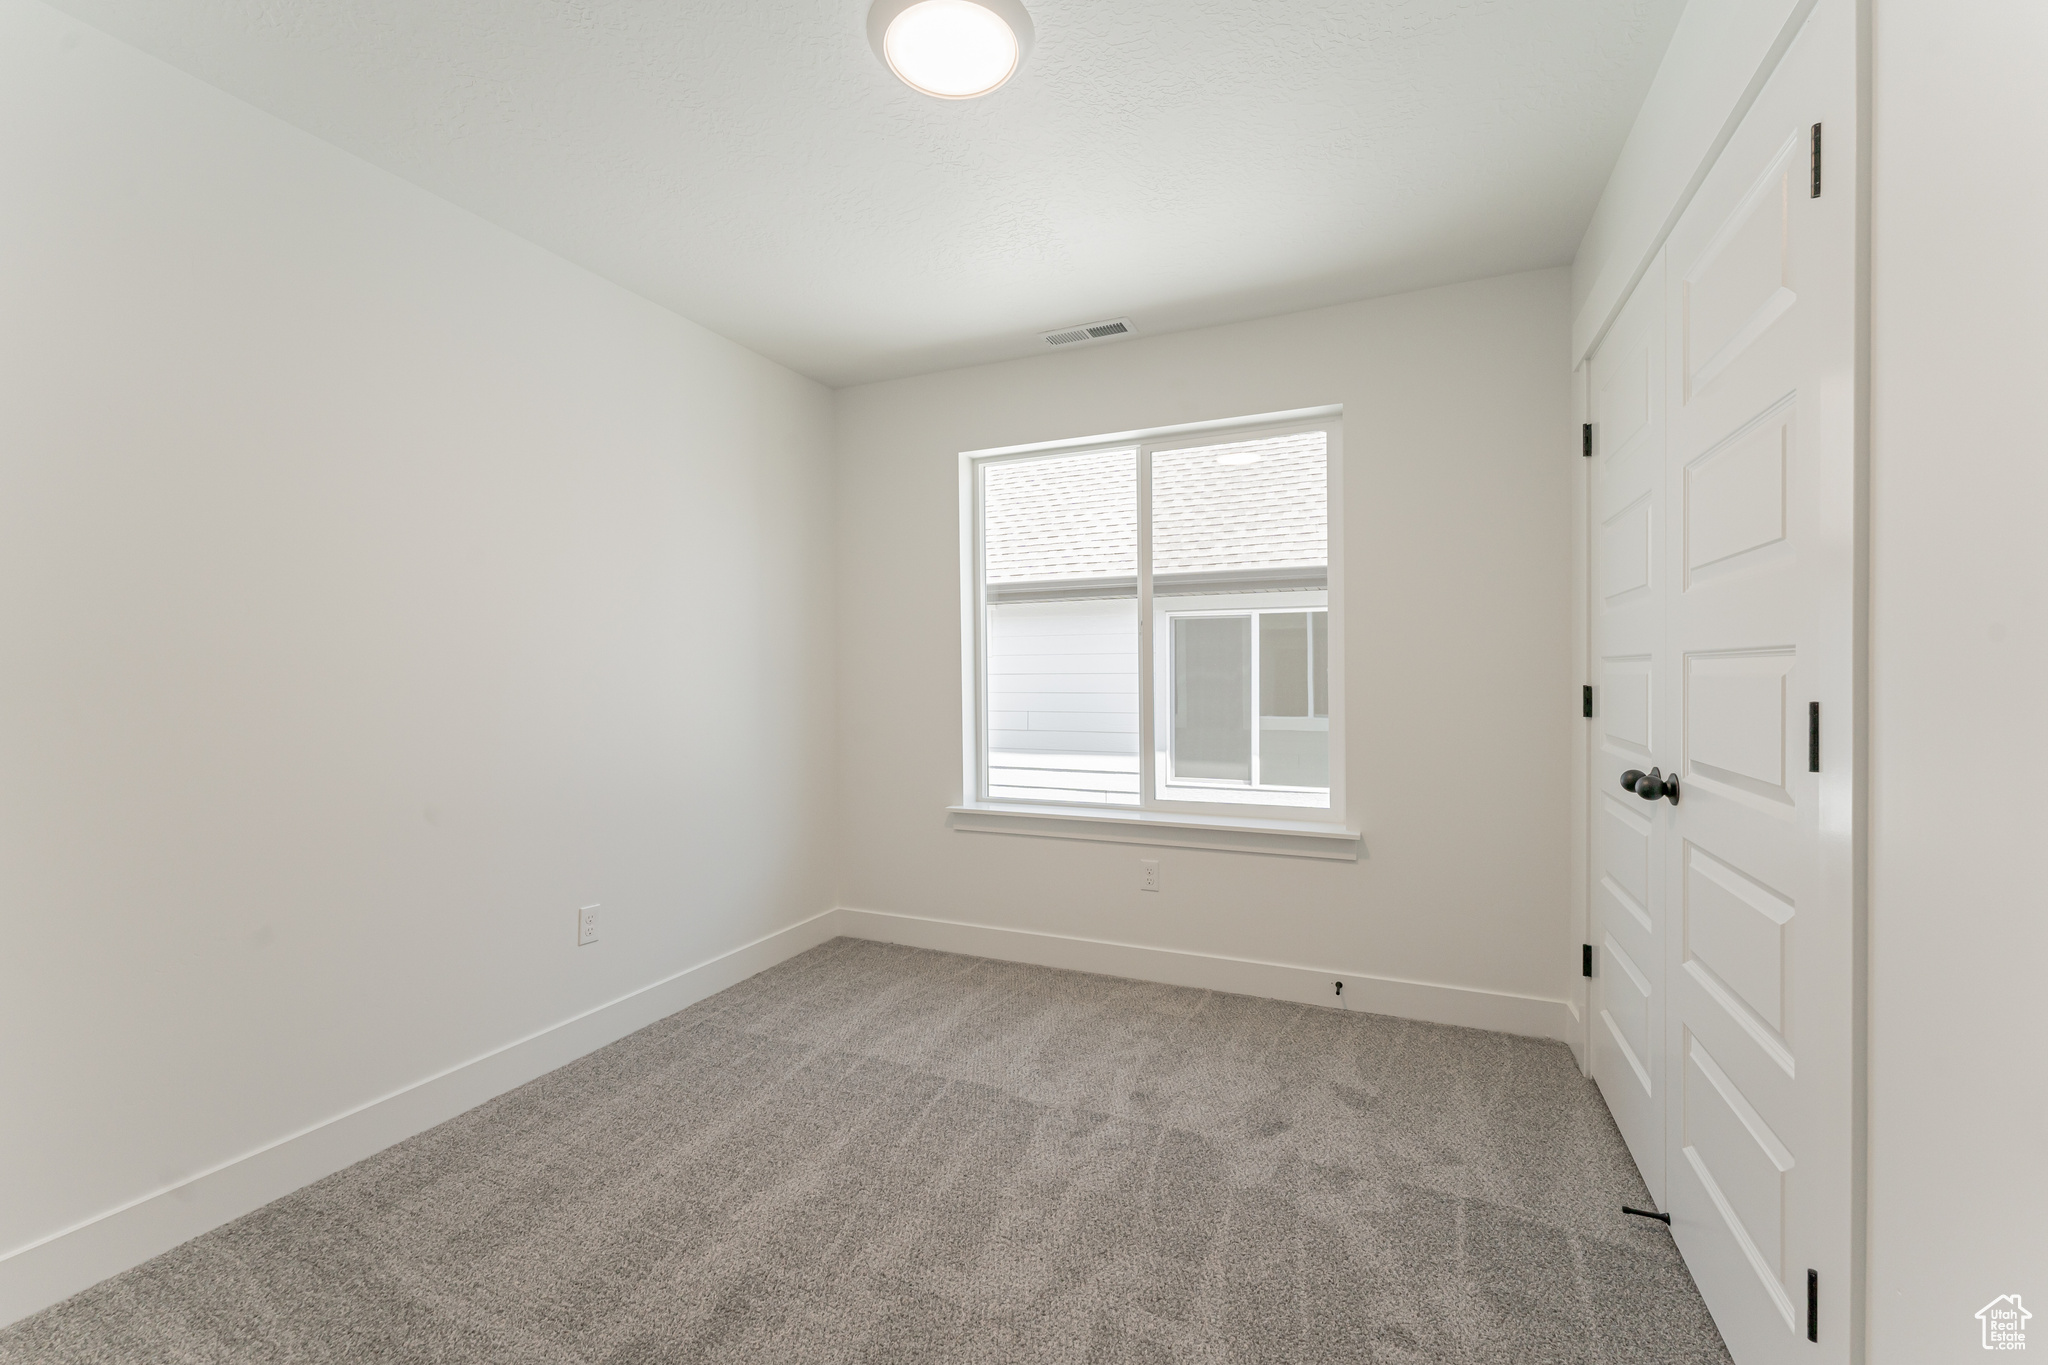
(1284,838)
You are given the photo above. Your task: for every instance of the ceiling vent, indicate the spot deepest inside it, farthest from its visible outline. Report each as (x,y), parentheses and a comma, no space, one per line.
(1088,331)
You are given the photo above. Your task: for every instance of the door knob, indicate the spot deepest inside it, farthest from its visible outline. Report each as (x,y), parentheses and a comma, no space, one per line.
(1630,778)
(1654,785)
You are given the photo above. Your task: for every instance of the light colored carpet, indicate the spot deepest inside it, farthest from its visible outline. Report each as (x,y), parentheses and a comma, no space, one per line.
(878,1154)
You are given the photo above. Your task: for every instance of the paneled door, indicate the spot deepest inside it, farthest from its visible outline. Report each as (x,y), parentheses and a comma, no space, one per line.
(1759,560)
(1627,563)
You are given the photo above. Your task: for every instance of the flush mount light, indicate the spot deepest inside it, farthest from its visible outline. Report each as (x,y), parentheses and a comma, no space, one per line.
(953,49)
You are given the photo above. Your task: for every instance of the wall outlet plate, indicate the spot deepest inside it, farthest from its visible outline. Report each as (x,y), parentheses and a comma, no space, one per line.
(586,925)
(1148,874)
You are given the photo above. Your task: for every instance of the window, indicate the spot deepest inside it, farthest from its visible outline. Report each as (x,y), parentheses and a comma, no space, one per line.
(1152,624)
(1230,666)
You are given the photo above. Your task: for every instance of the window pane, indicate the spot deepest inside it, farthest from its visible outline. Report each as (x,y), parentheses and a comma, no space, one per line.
(1243,513)
(1291,756)
(1212,697)
(1242,527)
(1294,747)
(1283,663)
(1062,521)
(1060,556)
(1321,642)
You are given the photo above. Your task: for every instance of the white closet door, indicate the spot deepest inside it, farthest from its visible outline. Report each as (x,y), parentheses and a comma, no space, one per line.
(1760,560)
(1632,702)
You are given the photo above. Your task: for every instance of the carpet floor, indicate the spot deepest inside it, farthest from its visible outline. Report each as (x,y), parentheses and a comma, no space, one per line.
(882,1155)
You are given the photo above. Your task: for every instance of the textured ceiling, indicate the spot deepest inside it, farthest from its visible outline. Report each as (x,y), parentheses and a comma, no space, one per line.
(753,166)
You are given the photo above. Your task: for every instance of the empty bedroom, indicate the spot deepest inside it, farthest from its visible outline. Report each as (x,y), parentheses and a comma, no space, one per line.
(876,681)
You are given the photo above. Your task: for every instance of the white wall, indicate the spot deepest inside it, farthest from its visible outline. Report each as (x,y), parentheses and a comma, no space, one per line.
(376,589)
(1461,691)
(1958,675)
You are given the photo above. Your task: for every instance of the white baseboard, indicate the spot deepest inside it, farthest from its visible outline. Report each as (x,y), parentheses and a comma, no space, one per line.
(1423,1000)
(1575,1034)
(60,1265)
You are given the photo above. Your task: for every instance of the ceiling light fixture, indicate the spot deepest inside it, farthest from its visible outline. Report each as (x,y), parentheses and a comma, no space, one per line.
(953,49)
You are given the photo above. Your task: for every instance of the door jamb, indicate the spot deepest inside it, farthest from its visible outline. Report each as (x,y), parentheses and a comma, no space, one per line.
(1579,998)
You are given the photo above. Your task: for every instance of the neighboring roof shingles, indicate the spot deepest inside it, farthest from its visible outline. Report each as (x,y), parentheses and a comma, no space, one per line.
(1076,516)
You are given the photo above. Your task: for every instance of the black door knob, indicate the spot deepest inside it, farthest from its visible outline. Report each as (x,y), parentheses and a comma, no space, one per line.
(1656,785)
(1630,778)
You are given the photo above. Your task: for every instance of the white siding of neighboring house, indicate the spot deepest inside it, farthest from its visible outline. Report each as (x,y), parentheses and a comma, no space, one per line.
(1063,700)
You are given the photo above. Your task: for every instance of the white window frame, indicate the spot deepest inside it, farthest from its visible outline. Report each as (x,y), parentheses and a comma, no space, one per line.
(1255,825)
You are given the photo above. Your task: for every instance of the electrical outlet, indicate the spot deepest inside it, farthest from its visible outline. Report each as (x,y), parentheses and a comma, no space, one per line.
(1148,874)
(586,925)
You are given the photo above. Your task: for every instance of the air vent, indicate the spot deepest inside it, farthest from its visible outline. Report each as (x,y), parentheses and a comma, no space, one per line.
(1088,331)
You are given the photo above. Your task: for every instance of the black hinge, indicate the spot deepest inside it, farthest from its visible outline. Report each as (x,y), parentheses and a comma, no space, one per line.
(1586,439)
(1586,701)
(1586,959)
(1816,163)
(1813,1305)
(1813,737)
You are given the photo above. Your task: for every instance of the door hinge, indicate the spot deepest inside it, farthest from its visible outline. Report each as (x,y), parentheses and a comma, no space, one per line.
(1586,701)
(1813,1305)
(1813,737)
(1586,439)
(1585,959)
(1815,194)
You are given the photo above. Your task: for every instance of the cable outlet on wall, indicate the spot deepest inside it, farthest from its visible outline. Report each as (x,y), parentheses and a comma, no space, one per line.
(1148,874)
(586,925)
